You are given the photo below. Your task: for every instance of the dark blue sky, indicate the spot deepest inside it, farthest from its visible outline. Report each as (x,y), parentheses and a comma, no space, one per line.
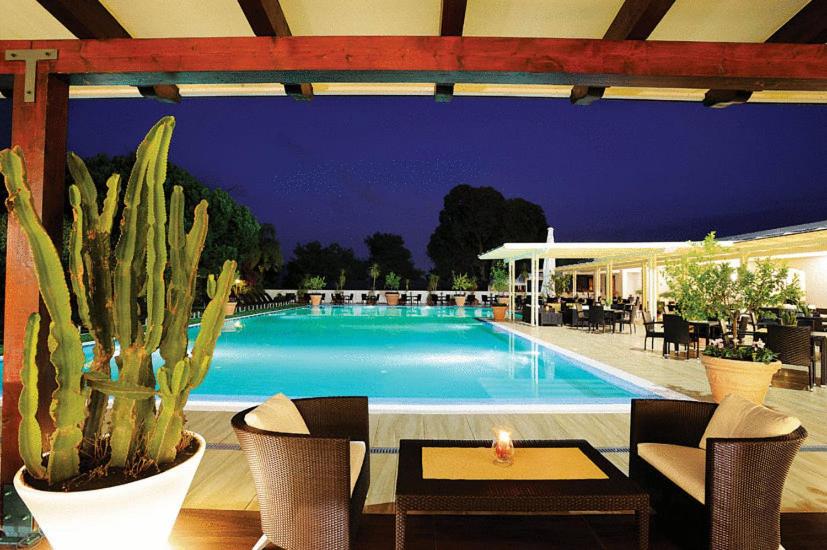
(339,168)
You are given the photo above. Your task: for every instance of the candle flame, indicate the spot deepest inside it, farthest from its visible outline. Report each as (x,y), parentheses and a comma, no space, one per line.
(503,436)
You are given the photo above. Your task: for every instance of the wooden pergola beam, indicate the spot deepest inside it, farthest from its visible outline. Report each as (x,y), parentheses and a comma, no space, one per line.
(635,20)
(266,18)
(808,26)
(39,128)
(452,21)
(89,19)
(734,66)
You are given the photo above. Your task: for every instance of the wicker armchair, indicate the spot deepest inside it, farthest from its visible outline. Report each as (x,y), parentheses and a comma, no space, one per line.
(744,477)
(303,481)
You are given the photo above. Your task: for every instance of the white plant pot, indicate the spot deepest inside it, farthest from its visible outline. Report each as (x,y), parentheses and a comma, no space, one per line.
(132,516)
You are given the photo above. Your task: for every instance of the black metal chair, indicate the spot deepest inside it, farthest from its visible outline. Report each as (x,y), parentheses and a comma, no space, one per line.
(676,332)
(629,318)
(794,347)
(597,317)
(651,327)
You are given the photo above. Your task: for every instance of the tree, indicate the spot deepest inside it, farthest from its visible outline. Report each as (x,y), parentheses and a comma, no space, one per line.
(389,251)
(476,219)
(234,231)
(267,259)
(327,261)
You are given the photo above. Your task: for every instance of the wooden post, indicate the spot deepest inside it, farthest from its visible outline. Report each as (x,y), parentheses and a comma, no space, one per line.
(39,128)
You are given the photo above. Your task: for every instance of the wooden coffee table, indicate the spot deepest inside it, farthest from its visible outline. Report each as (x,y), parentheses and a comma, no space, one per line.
(616,493)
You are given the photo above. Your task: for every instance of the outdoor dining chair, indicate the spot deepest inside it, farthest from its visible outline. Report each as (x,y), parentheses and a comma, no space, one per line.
(651,327)
(676,332)
(794,347)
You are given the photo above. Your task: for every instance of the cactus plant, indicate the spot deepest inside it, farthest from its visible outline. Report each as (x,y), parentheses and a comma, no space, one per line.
(155,263)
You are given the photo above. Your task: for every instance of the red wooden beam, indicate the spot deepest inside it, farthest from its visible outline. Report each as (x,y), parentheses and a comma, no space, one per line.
(808,26)
(435,59)
(89,19)
(452,22)
(266,18)
(40,129)
(635,20)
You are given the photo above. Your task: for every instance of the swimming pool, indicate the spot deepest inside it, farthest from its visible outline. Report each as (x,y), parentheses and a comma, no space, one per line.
(427,359)
(406,358)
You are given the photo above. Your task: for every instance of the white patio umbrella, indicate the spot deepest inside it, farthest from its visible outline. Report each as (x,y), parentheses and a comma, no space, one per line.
(549,265)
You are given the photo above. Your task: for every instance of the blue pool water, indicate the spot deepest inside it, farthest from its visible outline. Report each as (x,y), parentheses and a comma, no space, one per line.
(412,354)
(405,355)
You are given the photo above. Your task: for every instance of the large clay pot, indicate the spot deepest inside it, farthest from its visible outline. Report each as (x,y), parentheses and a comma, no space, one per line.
(459,300)
(499,312)
(229,308)
(136,515)
(315,300)
(745,378)
(392,298)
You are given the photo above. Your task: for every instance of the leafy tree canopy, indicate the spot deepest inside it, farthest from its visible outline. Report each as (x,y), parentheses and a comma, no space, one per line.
(476,219)
(326,261)
(389,251)
(234,231)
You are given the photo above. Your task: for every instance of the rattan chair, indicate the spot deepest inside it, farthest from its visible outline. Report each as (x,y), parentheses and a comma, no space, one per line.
(303,481)
(744,477)
(651,327)
(676,331)
(794,347)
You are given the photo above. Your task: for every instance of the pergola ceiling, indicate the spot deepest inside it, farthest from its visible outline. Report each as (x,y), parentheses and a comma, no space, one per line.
(692,20)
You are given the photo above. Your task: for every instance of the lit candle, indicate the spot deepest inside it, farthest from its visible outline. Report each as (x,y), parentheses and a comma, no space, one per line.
(503,448)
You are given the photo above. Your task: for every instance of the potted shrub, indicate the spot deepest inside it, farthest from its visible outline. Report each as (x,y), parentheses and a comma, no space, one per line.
(433,285)
(314,285)
(704,288)
(498,285)
(462,283)
(232,302)
(392,281)
(374,273)
(340,287)
(119,473)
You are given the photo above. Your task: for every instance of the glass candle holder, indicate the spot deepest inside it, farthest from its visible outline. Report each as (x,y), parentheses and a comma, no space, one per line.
(503,448)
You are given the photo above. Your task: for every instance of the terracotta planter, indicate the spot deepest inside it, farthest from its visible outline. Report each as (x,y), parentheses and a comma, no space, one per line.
(229,308)
(132,516)
(459,300)
(315,300)
(499,312)
(745,378)
(392,298)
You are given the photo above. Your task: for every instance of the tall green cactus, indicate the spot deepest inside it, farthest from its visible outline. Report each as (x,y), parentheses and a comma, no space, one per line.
(108,299)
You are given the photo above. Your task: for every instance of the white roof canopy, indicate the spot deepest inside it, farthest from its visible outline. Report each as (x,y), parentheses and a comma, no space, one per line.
(584,251)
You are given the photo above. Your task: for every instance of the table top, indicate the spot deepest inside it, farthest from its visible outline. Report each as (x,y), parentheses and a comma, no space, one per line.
(409,481)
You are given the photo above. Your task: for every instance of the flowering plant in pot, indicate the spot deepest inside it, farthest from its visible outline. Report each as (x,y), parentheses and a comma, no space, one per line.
(125,466)
(392,282)
(499,285)
(462,283)
(314,285)
(704,288)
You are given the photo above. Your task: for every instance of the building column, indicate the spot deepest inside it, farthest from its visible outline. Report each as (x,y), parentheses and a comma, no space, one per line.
(535,276)
(511,289)
(574,283)
(610,284)
(653,286)
(39,128)
(596,283)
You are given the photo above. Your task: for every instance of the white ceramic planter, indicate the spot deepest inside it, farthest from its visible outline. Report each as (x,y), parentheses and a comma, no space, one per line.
(136,515)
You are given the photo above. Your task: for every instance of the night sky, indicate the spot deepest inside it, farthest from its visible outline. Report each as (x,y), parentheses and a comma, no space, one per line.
(340,168)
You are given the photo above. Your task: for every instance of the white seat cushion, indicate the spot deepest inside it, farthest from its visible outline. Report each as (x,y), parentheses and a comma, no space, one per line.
(357,458)
(684,466)
(737,417)
(277,414)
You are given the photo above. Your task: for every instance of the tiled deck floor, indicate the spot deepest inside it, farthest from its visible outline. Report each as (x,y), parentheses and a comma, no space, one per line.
(224,482)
